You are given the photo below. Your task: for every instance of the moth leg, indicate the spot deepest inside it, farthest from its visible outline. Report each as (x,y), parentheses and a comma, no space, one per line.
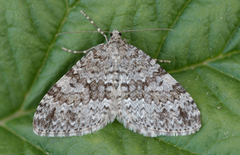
(124,40)
(167,61)
(68,50)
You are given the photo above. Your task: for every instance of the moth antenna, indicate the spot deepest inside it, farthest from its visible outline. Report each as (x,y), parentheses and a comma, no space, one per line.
(99,30)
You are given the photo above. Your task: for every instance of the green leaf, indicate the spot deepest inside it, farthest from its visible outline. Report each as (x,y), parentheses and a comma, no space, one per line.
(203,50)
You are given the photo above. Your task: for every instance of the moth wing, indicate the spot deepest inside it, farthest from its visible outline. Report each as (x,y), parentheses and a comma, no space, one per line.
(80,102)
(153,103)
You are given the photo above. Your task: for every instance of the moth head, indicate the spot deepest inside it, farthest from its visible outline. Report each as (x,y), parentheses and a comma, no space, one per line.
(115,33)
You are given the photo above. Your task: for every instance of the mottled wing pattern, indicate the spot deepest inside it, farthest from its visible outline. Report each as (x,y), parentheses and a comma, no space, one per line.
(152,102)
(81,101)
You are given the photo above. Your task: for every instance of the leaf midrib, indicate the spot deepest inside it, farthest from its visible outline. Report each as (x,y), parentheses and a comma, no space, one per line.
(47,53)
(219,57)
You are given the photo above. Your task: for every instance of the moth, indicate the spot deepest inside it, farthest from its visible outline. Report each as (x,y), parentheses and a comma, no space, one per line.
(116,80)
